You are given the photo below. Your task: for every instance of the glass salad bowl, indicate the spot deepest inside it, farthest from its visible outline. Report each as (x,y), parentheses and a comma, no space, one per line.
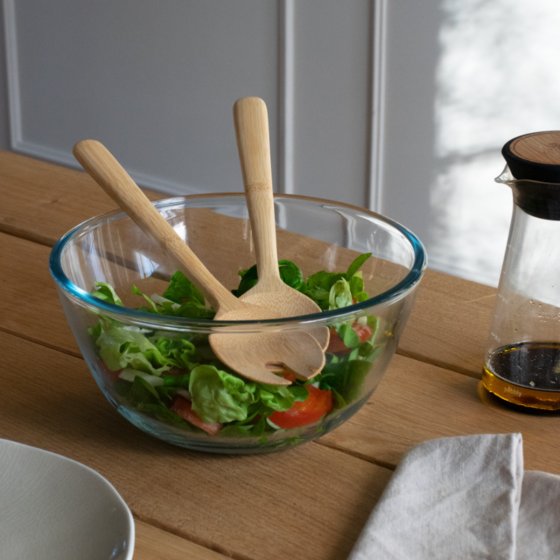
(143,328)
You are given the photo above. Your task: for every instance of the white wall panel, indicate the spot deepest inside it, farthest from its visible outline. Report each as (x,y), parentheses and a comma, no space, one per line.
(463,78)
(154,79)
(333,99)
(4,109)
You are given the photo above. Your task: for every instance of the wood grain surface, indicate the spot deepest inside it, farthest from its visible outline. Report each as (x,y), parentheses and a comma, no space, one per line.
(195,505)
(42,201)
(155,544)
(417,401)
(542,147)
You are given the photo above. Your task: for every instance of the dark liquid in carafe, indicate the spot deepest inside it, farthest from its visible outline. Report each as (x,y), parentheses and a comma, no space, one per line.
(527,374)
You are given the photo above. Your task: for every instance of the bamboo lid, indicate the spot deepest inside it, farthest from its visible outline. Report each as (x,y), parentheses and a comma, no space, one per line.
(534,157)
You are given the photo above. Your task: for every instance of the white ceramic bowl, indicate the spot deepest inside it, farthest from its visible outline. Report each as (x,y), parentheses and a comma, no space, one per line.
(53,508)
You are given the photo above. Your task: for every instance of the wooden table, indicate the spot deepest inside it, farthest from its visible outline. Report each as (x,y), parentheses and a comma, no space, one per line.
(310,502)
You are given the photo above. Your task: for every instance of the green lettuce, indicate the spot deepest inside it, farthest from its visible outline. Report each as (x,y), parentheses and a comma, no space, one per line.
(340,294)
(127,347)
(333,290)
(190,304)
(277,397)
(218,396)
(182,290)
(319,287)
(290,274)
(146,399)
(107,293)
(356,264)
(179,352)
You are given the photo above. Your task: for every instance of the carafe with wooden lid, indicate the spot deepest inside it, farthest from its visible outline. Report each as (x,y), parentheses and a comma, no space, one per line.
(522,363)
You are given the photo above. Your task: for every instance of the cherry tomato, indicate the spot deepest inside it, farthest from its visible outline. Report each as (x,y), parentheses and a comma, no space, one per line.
(337,345)
(302,413)
(183,408)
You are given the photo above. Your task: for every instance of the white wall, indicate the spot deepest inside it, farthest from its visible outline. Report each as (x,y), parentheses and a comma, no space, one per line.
(398,105)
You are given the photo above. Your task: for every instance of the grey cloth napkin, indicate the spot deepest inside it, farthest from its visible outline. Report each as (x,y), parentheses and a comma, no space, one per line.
(465,498)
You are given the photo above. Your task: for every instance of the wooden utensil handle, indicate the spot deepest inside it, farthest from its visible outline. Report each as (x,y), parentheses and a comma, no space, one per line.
(251,129)
(117,183)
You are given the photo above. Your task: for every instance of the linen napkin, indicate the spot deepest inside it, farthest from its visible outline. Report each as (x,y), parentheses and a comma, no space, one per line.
(465,498)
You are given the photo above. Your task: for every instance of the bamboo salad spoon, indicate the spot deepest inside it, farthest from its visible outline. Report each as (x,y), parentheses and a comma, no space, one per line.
(251,129)
(246,350)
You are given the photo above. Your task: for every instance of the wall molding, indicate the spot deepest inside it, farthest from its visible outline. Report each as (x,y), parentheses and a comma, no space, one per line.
(12,71)
(286,95)
(54,155)
(378,34)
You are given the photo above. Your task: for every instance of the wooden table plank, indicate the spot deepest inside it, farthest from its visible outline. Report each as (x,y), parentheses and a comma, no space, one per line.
(450,323)
(30,304)
(42,201)
(416,402)
(239,506)
(155,544)
(310,502)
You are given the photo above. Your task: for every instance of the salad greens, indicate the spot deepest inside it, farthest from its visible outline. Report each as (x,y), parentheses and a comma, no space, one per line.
(176,378)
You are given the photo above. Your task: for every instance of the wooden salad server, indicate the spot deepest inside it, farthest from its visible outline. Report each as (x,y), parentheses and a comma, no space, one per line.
(251,129)
(247,352)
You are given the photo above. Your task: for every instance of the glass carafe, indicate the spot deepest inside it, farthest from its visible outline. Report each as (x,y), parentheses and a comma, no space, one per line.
(522,363)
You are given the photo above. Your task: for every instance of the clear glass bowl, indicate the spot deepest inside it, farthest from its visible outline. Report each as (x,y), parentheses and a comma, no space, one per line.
(315,234)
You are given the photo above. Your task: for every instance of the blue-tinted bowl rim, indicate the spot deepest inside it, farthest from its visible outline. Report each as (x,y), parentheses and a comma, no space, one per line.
(397,292)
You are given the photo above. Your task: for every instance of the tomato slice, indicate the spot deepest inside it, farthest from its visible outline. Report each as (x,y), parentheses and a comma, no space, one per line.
(302,413)
(289,376)
(183,408)
(336,344)
(364,332)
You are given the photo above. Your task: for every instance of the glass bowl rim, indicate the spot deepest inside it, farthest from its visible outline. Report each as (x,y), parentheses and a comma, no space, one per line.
(397,292)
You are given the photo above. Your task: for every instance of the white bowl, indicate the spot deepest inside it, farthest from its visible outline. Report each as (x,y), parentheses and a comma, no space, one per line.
(53,508)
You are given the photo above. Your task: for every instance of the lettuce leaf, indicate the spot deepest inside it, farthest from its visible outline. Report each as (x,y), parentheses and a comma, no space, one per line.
(333,290)
(218,396)
(356,264)
(289,273)
(177,351)
(357,287)
(144,398)
(182,290)
(348,335)
(319,287)
(340,294)
(152,305)
(192,309)
(122,347)
(276,397)
(107,293)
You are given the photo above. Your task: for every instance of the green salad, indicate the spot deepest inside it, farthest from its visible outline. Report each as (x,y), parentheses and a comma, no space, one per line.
(175,377)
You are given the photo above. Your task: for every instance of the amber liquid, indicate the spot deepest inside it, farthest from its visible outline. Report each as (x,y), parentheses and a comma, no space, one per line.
(527,374)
